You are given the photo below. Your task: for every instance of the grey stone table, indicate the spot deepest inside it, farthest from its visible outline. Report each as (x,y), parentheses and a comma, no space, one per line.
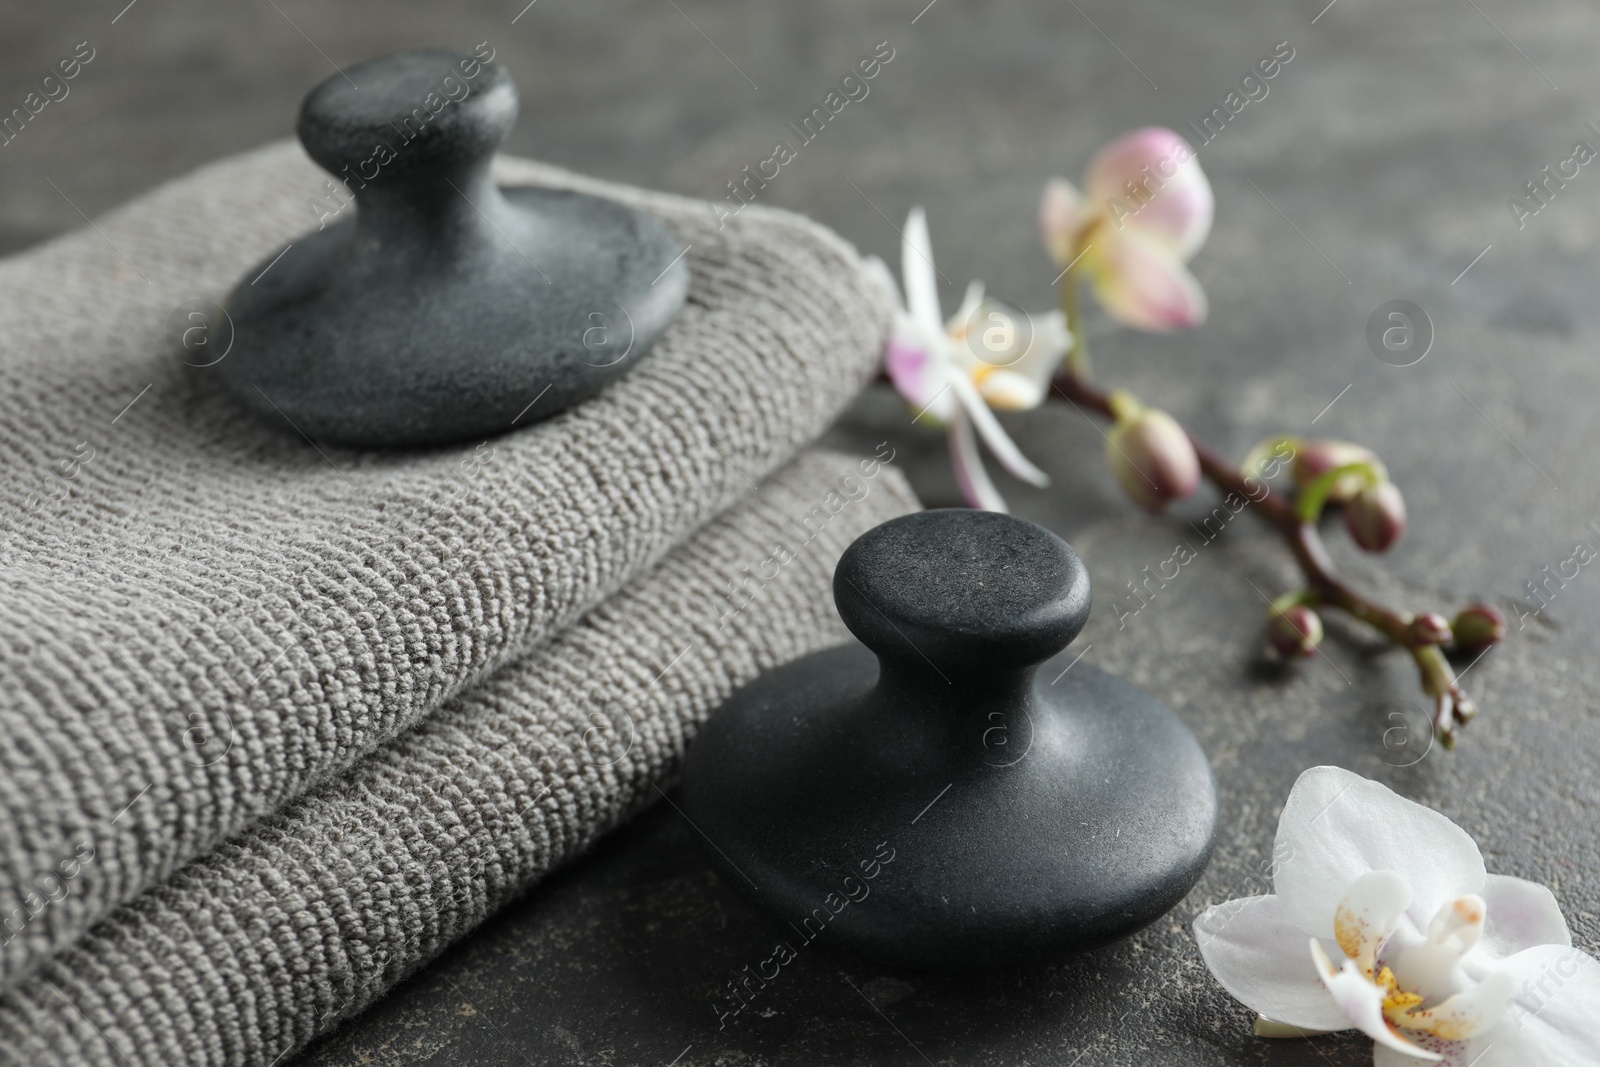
(1377,168)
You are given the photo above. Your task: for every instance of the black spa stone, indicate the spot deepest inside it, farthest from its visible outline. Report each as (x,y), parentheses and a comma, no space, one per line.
(441,306)
(959,793)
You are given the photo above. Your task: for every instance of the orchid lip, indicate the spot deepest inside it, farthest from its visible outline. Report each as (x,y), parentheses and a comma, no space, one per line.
(1416,984)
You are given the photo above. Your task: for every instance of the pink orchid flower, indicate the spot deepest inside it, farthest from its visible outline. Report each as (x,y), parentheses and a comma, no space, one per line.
(1146,212)
(952,373)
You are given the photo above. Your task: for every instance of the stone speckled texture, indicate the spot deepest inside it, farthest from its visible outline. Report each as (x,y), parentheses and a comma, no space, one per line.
(428,315)
(1072,808)
(967,590)
(1391,141)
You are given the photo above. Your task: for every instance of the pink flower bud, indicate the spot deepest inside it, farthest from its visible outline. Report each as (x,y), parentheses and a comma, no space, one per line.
(1376,517)
(1152,458)
(1477,627)
(1295,631)
(1316,458)
(1430,628)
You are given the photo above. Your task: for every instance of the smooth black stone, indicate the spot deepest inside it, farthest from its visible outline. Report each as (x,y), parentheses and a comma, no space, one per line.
(1032,806)
(446,305)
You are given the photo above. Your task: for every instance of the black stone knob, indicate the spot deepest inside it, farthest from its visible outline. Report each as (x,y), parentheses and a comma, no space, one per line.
(439,307)
(961,793)
(968,590)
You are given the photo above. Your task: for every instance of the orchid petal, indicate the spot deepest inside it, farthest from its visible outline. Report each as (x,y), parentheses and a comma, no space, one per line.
(912,356)
(1144,286)
(1368,914)
(1452,1054)
(1551,1019)
(920,377)
(1459,925)
(976,488)
(971,300)
(1258,955)
(1471,1013)
(996,335)
(1431,966)
(1478,1052)
(959,344)
(1552,1014)
(1048,344)
(1005,450)
(1061,214)
(1337,826)
(1014,365)
(916,265)
(1169,201)
(1522,914)
(1362,1003)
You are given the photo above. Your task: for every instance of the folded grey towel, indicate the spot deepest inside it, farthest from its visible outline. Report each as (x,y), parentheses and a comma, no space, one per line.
(201,616)
(265,943)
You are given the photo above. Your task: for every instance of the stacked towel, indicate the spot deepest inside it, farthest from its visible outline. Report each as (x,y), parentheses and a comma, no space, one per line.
(277,721)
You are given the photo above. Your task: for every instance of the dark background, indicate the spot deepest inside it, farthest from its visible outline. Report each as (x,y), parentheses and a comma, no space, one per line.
(1377,168)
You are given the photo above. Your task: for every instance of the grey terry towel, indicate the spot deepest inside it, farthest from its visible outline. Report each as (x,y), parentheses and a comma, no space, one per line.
(250,952)
(202,617)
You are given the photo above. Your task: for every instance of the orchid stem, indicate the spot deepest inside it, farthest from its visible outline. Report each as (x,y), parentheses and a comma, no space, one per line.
(1451,704)
(1078,356)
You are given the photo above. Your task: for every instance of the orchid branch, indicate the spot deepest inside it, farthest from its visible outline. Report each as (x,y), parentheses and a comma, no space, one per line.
(1418,634)
(1145,209)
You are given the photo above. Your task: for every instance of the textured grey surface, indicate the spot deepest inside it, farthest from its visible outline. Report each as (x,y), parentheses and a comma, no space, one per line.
(1391,142)
(313,913)
(190,571)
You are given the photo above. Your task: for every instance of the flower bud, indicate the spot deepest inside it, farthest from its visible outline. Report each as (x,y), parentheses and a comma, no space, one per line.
(1376,517)
(1152,458)
(1295,631)
(1477,627)
(1313,459)
(1430,628)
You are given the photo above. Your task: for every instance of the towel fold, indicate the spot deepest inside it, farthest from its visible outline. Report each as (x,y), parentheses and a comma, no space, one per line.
(250,952)
(202,617)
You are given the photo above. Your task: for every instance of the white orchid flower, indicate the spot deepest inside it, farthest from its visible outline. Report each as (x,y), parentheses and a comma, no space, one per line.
(954,372)
(1385,921)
